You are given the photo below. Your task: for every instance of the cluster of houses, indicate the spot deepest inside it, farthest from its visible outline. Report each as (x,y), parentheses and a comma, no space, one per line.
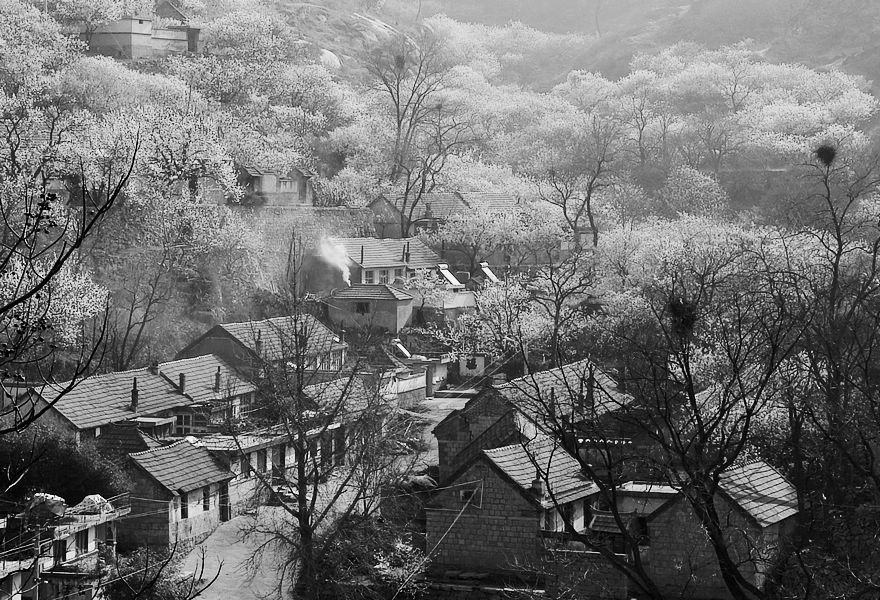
(508,486)
(189,436)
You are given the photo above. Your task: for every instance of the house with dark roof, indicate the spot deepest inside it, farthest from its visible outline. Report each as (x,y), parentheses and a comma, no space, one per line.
(500,512)
(247,346)
(180,494)
(220,394)
(182,397)
(368,260)
(756,504)
(142,396)
(522,408)
(365,306)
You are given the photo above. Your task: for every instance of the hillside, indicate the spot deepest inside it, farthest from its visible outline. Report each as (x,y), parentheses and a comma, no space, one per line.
(842,34)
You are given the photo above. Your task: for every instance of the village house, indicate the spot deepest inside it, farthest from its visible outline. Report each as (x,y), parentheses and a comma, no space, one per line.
(756,504)
(511,412)
(177,398)
(219,393)
(180,494)
(494,513)
(71,556)
(264,187)
(369,261)
(366,306)
(250,345)
(165,32)
(433,209)
(140,395)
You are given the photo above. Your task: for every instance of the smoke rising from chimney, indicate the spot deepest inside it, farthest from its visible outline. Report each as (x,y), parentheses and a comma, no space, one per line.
(333,253)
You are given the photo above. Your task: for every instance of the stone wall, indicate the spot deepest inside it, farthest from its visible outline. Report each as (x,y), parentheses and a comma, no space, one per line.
(498,532)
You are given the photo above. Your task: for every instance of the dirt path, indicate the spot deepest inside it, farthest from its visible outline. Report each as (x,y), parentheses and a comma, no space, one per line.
(227,550)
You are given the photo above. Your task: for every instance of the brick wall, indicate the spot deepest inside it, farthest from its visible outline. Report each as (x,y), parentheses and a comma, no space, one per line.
(477,416)
(584,575)
(498,532)
(680,556)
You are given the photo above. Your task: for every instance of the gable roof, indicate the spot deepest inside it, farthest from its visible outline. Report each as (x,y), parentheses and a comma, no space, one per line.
(493,201)
(545,458)
(385,253)
(439,205)
(181,466)
(578,389)
(277,335)
(201,376)
(761,491)
(124,438)
(367,291)
(103,399)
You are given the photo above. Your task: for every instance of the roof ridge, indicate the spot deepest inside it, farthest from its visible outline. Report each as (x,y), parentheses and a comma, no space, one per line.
(162,447)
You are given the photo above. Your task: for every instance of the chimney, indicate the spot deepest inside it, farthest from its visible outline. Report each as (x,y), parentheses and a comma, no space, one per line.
(182,382)
(217,380)
(362,254)
(537,487)
(258,343)
(153,368)
(134,395)
(406,254)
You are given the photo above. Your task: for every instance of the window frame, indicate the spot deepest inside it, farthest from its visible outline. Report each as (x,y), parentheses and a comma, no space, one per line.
(206,498)
(369,276)
(362,308)
(81,542)
(184,505)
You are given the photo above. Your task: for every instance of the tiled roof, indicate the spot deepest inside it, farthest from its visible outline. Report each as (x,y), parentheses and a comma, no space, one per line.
(385,253)
(493,201)
(544,456)
(182,466)
(566,390)
(201,375)
(366,291)
(604,521)
(104,399)
(439,205)
(252,440)
(354,392)
(761,491)
(277,335)
(121,439)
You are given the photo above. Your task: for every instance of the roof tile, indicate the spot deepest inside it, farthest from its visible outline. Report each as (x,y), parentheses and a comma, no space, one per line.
(761,491)
(182,466)
(543,456)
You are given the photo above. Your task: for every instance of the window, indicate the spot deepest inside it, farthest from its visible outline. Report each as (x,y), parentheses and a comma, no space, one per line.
(206,498)
(246,465)
(398,274)
(59,551)
(261,461)
(640,531)
(369,277)
(184,505)
(362,308)
(82,542)
(383,276)
(184,425)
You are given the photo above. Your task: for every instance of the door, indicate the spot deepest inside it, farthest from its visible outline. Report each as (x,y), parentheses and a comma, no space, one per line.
(224,502)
